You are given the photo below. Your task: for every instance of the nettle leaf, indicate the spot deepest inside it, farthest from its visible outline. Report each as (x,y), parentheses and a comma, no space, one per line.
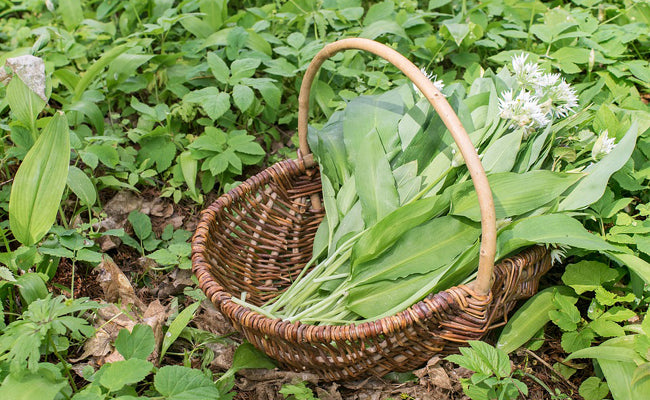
(243,97)
(606,328)
(607,298)
(116,375)
(588,275)
(214,102)
(39,183)
(141,224)
(182,383)
(139,343)
(574,341)
(566,315)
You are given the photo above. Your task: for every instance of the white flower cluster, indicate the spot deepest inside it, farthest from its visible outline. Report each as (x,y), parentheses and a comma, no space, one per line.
(603,145)
(541,97)
(433,78)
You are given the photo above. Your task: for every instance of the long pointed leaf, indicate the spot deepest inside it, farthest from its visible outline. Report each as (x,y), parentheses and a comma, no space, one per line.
(39,183)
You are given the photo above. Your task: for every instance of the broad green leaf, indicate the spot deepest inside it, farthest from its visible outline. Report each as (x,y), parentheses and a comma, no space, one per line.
(247,356)
(177,326)
(39,183)
(213,102)
(106,153)
(592,187)
(501,155)
(548,229)
(619,375)
(458,32)
(528,320)
(71,13)
(116,375)
(139,343)
(496,359)
(243,68)
(141,224)
(218,67)
(593,389)
(26,385)
(587,275)
(157,149)
(24,103)
(181,383)
(243,97)
(392,227)
(606,328)
(31,287)
(420,250)
(514,194)
(81,186)
(577,340)
(641,378)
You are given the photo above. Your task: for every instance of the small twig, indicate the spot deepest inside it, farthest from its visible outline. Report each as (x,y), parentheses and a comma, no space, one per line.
(549,366)
(7,181)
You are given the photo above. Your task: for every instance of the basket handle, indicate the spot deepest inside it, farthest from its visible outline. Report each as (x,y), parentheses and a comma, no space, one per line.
(483,280)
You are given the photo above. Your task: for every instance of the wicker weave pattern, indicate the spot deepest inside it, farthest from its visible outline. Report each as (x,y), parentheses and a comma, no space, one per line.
(257,238)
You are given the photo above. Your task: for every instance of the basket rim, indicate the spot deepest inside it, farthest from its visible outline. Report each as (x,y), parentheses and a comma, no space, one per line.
(300,332)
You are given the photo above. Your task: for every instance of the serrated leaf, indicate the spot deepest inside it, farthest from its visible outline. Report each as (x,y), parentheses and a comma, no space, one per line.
(39,183)
(574,341)
(139,343)
(606,328)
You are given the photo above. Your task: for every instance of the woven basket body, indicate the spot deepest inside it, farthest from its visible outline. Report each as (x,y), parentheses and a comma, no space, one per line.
(257,237)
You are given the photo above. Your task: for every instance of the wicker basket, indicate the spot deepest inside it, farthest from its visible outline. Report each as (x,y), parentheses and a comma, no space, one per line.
(257,238)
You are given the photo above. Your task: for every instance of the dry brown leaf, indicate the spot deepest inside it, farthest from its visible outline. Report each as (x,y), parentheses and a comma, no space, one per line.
(115,285)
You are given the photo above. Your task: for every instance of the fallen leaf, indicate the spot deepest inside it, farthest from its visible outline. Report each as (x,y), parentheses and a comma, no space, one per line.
(115,284)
